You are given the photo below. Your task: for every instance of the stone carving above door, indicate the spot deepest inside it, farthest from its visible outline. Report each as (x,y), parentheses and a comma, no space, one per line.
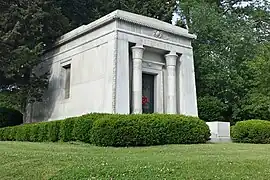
(160,34)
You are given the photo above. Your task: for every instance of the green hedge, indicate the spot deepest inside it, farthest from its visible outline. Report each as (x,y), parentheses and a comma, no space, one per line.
(83,126)
(76,128)
(251,131)
(10,117)
(114,130)
(145,130)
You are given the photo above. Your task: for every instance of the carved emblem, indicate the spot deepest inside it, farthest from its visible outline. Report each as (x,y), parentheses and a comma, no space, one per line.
(158,34)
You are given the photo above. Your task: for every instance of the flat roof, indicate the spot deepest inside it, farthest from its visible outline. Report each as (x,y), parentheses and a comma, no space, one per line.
(128,17)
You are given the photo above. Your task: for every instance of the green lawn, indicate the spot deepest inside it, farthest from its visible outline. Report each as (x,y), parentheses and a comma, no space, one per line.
(37,161)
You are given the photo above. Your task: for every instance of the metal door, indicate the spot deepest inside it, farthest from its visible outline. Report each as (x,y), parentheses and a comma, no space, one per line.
(148,93)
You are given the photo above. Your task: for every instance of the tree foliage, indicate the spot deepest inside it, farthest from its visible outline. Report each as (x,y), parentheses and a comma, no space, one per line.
(29,27)
(81,12)
(229,35)
(256,103)
(26,29)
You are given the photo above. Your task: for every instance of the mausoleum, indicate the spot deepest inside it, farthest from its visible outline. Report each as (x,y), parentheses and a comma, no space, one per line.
(121,63)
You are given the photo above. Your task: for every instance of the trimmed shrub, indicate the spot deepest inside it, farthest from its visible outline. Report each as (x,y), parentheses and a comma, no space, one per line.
(1,134)
(53,131)
(114,130)
(12,133)
(7,134)
(10,117)
(83,126)
(66,129)
(23,132)
(251,131)
(145,130)
(43,134)
(34,133)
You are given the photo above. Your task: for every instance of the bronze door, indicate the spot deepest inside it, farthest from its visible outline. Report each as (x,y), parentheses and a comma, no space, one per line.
(148,93)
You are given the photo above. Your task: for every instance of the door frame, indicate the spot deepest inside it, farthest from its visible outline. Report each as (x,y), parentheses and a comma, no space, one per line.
(156,69)
(153,79)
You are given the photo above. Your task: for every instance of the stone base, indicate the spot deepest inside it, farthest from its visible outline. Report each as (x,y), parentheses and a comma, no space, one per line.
(220,140)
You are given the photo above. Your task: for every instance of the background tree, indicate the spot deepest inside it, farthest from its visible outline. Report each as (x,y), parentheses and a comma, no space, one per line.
(29,27)
(256,103)
(81,12)
(26,29)
(228,37)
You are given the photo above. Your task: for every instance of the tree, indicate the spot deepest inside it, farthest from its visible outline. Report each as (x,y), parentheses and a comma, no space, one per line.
(26,29)
(256,103)
(227,39)
(211,108)
(29,27)
(81,12)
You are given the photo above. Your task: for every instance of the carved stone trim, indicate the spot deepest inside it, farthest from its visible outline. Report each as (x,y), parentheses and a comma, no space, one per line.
(152,23)
(115,48)
(158,34)
(129,17)
(147,37)
(162,91)
(152,65)
(154,62)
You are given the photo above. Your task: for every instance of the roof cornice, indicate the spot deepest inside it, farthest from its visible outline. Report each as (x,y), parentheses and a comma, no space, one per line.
(128,17)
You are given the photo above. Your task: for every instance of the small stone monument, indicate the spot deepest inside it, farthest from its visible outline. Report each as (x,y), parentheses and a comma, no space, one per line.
(220,131)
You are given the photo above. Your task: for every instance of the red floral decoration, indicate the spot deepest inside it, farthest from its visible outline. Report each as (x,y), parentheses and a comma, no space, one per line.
(145,100)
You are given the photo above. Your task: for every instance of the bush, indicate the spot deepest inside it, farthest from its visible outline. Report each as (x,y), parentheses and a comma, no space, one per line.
(23,132)
(66,129)
(53,131)
(83,126)
(114,130)
(251,131)
(145,130)
(8,134)
(2,134)
(10,117)
(34,133)
(43,134)
(77,128)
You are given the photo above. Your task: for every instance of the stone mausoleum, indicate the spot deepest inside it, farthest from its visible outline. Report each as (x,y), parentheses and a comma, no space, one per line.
(121,63)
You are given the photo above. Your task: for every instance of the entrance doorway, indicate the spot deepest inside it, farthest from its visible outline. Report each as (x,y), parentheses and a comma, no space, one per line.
(148,93)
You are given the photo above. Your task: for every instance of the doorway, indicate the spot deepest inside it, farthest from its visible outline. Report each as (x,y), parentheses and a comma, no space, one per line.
(148,82)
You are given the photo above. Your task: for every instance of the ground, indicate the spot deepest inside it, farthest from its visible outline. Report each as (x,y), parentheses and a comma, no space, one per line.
(23,160)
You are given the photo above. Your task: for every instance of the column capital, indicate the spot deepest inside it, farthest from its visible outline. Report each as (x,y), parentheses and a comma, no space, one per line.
(171,58)
(137,51)
(138,46)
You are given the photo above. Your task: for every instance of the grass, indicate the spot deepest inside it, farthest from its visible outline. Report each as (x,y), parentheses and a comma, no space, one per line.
(23,160)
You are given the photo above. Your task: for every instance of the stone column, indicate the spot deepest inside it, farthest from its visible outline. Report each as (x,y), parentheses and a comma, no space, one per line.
(137,56)
(171,59)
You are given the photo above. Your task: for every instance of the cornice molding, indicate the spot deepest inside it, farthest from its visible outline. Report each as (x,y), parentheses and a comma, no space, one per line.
(128,17)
